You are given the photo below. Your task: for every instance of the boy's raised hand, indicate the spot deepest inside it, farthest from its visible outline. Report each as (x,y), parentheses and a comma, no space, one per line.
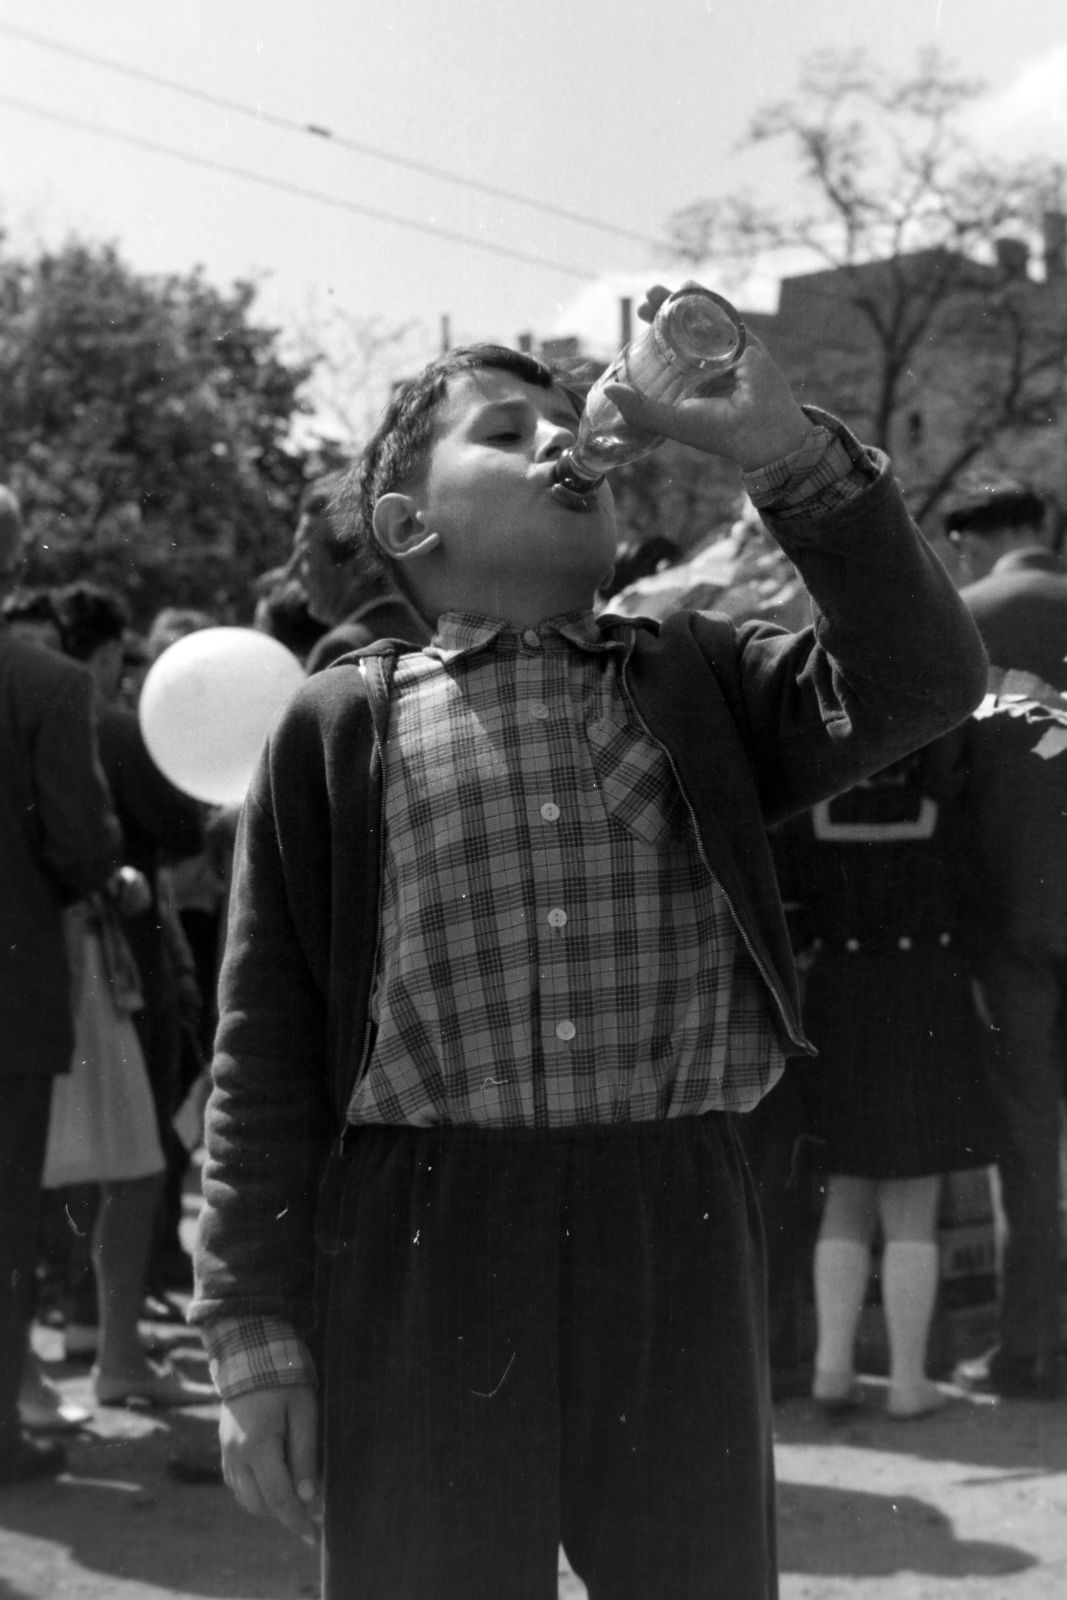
(270,1455)
(748,415)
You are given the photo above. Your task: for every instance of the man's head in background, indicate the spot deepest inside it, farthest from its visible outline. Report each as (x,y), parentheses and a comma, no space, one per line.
(334,579)
(993,524)
(94,621)
(31,615)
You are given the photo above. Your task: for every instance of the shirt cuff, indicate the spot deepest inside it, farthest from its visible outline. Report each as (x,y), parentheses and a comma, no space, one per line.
(828,469)
(246,1353)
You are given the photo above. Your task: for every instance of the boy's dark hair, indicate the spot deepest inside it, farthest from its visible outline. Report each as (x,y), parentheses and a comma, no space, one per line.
(1000,508)
(89,616)
(30,605)
(398,451)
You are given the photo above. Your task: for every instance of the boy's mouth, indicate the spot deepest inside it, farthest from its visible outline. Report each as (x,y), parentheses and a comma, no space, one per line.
(572,499)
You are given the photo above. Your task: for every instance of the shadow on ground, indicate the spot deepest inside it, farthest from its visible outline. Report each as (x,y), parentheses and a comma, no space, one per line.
(131,1509)
(1013,1436)
(848,1533)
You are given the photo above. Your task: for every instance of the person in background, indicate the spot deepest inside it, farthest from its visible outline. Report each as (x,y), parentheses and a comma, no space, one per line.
(282,612)
(159,826)
(898,1094)
(1016,591)
(31,614)
(196,887)
(174,623)
(344,588)
(59,840)
(103,1134)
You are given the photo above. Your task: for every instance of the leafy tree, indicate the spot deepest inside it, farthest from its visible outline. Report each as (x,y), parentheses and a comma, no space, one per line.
(355,362)
(146,424)
(924,326)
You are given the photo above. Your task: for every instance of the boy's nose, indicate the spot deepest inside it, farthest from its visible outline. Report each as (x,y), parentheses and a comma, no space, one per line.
(553,439)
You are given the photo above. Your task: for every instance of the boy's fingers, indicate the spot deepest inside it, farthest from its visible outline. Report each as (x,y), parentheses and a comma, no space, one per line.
(654,298)
(650,416)
(246,1492)
(277,1489)
(303,1444)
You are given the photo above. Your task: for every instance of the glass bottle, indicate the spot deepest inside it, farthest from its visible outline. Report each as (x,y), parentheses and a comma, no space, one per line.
(696,335)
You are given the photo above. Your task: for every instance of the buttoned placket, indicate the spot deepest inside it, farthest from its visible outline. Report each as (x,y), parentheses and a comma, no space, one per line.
(560,739)
(540,673)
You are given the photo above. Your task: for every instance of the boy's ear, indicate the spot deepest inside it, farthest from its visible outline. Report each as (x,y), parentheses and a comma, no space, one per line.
(399,528)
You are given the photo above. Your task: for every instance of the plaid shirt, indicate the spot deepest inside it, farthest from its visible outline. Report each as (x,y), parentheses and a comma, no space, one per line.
(554,949)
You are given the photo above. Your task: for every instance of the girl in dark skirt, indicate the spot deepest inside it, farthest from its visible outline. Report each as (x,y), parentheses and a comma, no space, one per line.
(898,1096)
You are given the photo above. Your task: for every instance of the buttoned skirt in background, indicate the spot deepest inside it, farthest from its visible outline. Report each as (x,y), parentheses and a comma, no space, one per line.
(900,1088)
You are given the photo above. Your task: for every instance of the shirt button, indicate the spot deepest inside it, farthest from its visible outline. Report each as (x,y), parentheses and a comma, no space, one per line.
(565,1030)
(550,811)
(530,638)
(557,918)
(539,710)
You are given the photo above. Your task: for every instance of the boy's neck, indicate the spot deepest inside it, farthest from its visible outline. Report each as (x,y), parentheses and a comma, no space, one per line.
(517,612)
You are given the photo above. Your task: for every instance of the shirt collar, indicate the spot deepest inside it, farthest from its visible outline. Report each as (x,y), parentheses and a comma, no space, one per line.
(462,633)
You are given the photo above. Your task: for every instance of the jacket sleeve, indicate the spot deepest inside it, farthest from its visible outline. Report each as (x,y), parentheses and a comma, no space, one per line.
(892,659)
(268,1124)
(80,836)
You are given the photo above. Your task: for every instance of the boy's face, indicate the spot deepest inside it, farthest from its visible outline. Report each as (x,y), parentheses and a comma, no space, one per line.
(486,492)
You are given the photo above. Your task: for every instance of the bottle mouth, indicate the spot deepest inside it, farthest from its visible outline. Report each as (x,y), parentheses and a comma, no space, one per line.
(573,488)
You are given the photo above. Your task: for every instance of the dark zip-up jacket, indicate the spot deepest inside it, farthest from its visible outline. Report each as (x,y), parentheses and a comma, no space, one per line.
(757,723)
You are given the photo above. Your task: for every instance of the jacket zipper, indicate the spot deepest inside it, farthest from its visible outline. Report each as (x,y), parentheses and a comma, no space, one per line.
(769,978)
(365,1053)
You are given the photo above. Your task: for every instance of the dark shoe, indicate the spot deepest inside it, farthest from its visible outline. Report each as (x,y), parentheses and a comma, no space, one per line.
(790,1383)
(22,1460)
(196,1466)
(1038,1377)
(171,1271)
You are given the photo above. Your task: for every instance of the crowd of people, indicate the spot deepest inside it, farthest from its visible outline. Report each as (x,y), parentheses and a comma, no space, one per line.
(114,898)
(681,778)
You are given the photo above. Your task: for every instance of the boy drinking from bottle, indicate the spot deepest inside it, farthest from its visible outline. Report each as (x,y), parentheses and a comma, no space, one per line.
(505,952)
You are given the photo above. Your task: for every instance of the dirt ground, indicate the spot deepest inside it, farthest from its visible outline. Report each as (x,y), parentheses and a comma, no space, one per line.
(969,1504)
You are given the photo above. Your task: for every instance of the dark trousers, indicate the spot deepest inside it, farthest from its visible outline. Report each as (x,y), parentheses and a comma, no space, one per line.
(1026,992)
(537,1338)
(771,1139)
(25,1102)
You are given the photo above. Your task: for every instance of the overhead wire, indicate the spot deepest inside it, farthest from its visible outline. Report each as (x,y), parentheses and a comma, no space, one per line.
(319,131)
(355,207)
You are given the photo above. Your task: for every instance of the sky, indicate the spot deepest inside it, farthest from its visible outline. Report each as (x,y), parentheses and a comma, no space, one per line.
(618,111)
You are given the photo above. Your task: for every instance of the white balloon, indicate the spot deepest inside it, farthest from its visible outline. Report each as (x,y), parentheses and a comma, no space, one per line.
(208,704)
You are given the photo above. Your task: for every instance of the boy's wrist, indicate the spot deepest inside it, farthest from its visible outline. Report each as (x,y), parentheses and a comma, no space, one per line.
(777,437)
(246,1353)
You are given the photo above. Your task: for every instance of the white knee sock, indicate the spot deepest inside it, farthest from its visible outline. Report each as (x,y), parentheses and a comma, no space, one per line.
(842,1267)
(910,1271)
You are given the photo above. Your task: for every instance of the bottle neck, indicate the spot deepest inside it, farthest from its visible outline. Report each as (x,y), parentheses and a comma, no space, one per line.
(568,477)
